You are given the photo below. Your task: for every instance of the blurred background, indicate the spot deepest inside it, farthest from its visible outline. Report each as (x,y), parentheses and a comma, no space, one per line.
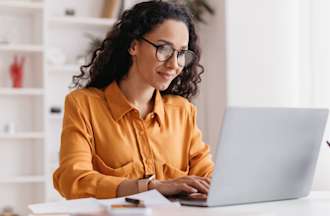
(273,53)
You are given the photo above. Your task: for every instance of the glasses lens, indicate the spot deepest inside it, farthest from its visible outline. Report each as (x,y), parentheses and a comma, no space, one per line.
(164,52)
(187,58)
(184,57)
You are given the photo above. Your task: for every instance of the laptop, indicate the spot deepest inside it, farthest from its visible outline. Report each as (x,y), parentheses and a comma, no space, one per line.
(265,154)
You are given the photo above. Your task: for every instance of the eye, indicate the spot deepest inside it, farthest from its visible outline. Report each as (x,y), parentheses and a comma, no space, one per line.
(165,50)
(182,52)
(165,47)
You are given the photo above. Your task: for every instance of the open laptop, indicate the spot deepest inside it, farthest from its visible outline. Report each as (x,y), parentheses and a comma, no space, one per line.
(265,154)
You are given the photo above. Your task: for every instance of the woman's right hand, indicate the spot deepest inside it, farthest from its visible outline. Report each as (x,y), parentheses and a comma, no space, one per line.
(190,185)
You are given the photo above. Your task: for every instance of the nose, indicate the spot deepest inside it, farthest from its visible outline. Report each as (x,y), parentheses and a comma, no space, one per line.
(172,62)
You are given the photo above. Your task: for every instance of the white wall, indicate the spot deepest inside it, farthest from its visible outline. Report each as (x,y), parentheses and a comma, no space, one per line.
(262,52)
(277,54)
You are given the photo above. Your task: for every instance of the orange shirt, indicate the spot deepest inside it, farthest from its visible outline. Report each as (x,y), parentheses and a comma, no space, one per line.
(104,142)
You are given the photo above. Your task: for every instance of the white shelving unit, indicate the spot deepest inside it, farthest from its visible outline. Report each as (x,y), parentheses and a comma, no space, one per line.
(23,135)
(24,179)
(21,5)
(82,21)
(30,153)
(55,117)
(22,48)
(22,91)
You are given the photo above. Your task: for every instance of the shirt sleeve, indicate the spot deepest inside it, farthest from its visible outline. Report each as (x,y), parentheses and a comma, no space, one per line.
(200,160)
(75,176)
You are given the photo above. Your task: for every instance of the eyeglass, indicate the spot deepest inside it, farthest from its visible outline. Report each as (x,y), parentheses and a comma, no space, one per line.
(165,51)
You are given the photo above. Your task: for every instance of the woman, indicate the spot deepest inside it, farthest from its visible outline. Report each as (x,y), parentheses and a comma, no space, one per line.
(131,127)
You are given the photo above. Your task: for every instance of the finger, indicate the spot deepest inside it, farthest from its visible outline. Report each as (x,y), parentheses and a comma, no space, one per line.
(203,182)
(197,182)
(197,196)
(206,185)
(198,185)
(206,179)
(183,187)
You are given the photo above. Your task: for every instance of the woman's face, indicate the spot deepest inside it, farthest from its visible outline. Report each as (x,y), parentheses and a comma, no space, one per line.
(147,67)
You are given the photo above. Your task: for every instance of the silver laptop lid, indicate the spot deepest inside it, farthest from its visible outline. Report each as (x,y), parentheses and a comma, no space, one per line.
(266,154)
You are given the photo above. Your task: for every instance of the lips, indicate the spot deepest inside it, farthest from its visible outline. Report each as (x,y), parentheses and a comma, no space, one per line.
(166,76)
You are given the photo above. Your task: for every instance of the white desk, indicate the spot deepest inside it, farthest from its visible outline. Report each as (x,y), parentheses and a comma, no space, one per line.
(316,204)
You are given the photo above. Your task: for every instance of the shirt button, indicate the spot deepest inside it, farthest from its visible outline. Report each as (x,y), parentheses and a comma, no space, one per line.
(136,113)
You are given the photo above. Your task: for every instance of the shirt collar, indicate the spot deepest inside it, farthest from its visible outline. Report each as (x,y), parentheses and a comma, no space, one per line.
(120,106)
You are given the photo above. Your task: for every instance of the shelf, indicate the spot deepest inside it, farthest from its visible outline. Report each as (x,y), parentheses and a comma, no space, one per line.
(83,21)
(55,116)
(21,48)
(23,135)
(64,68)
(21,91)
(23,179)
(16,5)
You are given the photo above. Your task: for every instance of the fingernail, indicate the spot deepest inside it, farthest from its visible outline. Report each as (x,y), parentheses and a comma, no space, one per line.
(194,190)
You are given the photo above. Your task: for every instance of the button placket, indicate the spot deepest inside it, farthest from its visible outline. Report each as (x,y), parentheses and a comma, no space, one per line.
(145,148)
(151,119)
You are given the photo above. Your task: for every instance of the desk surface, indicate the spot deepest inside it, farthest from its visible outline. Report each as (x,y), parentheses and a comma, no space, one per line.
(316,204)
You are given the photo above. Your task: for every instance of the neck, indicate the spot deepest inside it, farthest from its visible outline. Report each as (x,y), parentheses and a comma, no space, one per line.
(137,92)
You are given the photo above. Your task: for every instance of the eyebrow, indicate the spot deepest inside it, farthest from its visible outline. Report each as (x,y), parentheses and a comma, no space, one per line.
(168,42)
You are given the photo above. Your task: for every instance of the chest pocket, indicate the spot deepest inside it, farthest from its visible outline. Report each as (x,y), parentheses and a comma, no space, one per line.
(173,172)
(168,171)
(126,170)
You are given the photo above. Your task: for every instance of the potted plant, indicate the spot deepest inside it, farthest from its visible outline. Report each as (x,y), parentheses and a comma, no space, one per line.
(198,8)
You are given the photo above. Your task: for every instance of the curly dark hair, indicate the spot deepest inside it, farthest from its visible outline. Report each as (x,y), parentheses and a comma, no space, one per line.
(111,61)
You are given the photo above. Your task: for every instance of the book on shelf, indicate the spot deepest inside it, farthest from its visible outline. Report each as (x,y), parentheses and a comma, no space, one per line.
(111,8)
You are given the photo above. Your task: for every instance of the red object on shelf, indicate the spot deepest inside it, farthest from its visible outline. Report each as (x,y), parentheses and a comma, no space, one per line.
(17,72)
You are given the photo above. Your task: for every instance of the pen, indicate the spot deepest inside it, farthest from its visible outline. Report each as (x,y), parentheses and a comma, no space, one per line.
(133,201)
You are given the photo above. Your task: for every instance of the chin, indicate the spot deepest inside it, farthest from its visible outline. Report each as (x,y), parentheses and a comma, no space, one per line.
(162,86)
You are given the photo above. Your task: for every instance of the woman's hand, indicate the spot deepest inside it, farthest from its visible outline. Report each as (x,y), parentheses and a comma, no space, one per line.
(194,186)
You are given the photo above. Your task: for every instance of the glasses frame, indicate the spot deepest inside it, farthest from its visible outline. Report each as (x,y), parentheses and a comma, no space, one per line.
(173,51)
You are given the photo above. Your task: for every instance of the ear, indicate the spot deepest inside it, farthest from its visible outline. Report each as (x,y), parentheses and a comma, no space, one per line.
(133,50)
